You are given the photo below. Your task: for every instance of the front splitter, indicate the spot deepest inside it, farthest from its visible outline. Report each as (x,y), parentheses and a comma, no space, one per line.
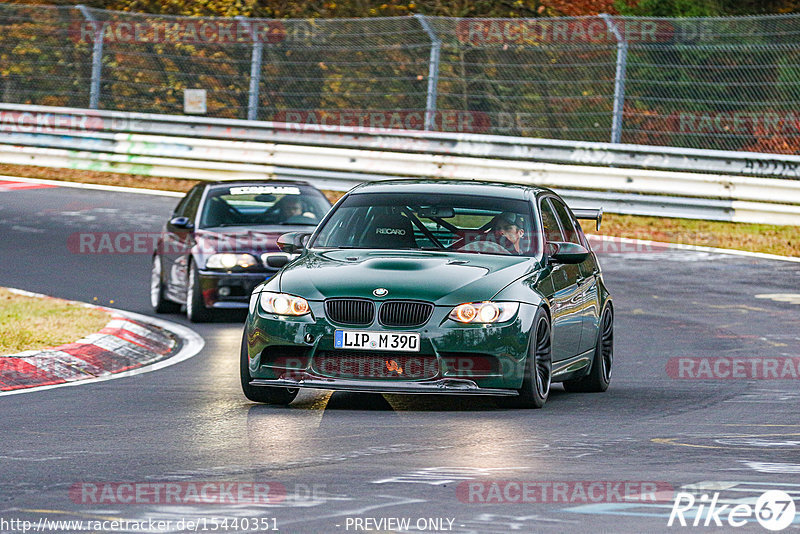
(445,386)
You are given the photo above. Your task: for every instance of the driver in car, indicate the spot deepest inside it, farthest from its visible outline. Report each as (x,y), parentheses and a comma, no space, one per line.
(508,231)
(290,207)
(287,208)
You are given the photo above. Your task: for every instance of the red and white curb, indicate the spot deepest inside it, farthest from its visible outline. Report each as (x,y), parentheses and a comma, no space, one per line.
(128,345)
(17,185)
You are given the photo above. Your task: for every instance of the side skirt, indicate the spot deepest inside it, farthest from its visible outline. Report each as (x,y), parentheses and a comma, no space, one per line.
(574,367)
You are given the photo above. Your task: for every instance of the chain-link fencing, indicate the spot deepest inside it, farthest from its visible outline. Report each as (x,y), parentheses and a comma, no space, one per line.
(719,83)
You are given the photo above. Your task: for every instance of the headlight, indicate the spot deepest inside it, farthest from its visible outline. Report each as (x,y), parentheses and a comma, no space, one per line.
(229,261)
(283,304)
(484,312)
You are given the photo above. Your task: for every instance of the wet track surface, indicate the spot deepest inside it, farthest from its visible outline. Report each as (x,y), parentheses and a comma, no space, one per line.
(342,455)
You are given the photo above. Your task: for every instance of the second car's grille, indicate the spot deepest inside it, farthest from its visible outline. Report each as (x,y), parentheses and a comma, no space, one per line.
(404,313)
(350,311)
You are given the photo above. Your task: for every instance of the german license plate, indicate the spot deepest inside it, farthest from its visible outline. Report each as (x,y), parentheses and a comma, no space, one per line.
(360,340)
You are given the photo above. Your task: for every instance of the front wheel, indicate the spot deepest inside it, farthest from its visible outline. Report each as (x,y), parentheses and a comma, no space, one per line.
(600,374)
(538,367)
(157,300)
(196,309)
(265,394)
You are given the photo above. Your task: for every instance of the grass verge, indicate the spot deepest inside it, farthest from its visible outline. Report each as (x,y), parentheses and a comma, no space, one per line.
(771,239)
(28,323)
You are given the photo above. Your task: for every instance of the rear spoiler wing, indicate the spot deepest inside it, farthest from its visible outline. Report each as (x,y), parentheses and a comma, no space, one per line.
(583,213)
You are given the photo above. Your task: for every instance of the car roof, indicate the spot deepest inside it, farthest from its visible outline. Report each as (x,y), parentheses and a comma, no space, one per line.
(467,187)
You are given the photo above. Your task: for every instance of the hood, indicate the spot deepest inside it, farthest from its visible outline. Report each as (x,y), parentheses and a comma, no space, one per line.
(241,239)
(439,277)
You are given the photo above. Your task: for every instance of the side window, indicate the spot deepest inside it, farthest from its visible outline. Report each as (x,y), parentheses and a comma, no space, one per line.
(567,223)
(582,236)
(552,232)
(179,209)
(192,202)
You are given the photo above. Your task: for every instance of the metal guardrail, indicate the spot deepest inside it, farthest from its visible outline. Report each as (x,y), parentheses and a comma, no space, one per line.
(337,158)
(20,118)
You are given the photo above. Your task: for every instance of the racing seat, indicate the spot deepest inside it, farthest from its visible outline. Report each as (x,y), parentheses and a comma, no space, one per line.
(389,230)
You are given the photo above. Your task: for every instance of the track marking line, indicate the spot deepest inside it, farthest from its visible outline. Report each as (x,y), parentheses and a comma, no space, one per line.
(98,187)
(157,192)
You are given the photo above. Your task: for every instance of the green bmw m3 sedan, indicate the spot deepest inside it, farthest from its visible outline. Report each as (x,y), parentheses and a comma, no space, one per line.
(434,287)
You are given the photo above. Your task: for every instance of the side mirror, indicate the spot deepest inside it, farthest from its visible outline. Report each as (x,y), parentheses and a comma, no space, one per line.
(180,224)
(569,253)
(293,242)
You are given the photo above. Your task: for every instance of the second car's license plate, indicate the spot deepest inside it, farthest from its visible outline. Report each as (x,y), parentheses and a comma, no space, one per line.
(362,340)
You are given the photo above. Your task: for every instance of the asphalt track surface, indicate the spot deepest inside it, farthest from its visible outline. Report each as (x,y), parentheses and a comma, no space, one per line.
(343,456)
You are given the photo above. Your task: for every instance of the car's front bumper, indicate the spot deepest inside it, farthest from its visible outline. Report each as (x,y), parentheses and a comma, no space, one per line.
(222,290)
(453,358)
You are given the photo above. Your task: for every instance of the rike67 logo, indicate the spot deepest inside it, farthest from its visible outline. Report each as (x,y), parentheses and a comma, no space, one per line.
(774,510)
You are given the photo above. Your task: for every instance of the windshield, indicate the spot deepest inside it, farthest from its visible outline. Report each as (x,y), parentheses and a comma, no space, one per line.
(253,205)
(452,222)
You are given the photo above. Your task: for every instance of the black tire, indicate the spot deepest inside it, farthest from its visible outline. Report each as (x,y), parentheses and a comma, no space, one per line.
(157,300)
(196,309)
(264,394)
(538,367)
(600,374)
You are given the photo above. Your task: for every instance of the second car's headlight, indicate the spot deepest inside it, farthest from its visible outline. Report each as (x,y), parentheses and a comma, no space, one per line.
(283,304)
(229,261)
(484,312)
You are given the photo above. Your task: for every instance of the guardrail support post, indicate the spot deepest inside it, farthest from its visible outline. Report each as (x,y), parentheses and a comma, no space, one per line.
(255,72)
(433,72)
(97,56)
(619,78)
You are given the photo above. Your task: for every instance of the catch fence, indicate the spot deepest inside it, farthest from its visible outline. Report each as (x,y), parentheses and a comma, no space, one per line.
(708,83)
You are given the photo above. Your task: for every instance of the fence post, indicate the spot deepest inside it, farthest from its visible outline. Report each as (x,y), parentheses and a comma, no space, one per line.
(619,78)
(97,57)
(433,71)
(255,73)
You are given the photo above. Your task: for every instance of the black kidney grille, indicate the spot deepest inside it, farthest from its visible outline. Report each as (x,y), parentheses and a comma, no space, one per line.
(404,313)
(350,311)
